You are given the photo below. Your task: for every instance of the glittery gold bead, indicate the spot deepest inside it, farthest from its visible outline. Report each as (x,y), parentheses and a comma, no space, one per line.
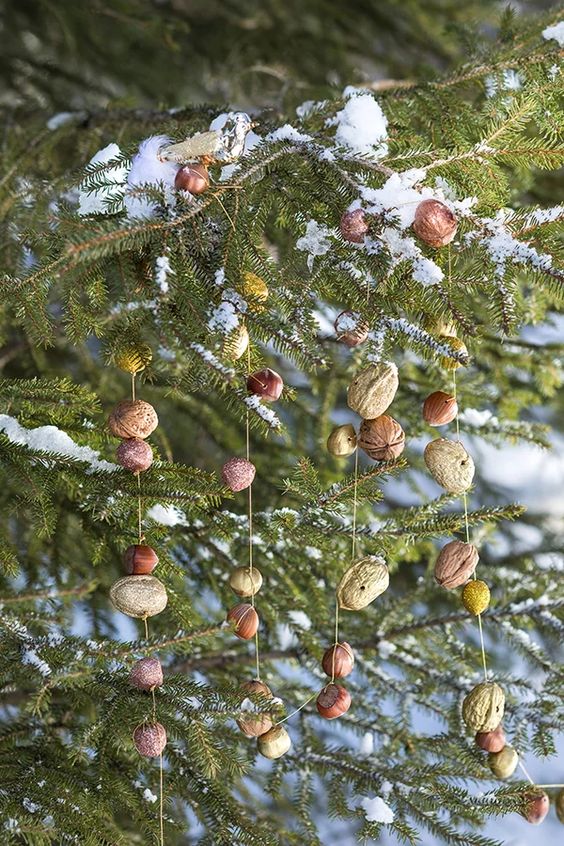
(476,596)
(255,288)
(457,346)
(134,357)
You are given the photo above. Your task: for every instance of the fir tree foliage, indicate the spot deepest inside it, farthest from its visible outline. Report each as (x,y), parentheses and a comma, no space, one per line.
(76,286)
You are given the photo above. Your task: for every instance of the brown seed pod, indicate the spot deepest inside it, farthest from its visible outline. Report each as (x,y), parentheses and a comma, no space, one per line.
(135,455)
(381,438)
(364,580)
(338,660)
(150,739)
(146,674)
(193,178)
(238,474)
(373,390)
(491,741)
(434,223)
(536,805)
(439,409)
(266,384)
(503,763)
(333,701)
(133,419)
(274,743)
(139,596)
(455,564)
(354,226)
(449,464)
(342,441)
(255,724)
(140,560)
(245,581)
(483,707)
(350,329)
(559,805)
(246,620)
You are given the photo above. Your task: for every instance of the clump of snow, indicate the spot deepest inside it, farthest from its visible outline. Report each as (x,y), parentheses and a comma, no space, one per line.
(62,118)
(509,80)
(147,169)
(31,657)
(300,618)
(149,796)
(315,242)
(224,318)
(473,417)
(31,807)
(288,133)
(167,515)
(162,271)
(554,33)
(96,202)
(362,126)
(504,248)
(367,744)
(376,810)
(402,249)
(386,648)
(50,439)
(253,402)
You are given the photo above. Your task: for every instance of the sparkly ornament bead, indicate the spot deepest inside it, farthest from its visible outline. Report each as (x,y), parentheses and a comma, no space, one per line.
(503,763)
(483,707)
(266,384)
(333,701)
(535,806)
(338,660)
(373,389)
(134,358)
(491,741)
(245,581)
(236,343)
(559,805)
(140,560)
(381,438)
(457,346)
(135,455)
(434,223)
(257,724)
(139,596)
(439,409)
(238,474)
(342,441)
(150,740)
(476,596)
(133,419)
(350,329)
(363,581)
(274,743)
(246,620)
(255,288)
(354,226)
(193,178)
(449,464)
(455,564)
(146,674)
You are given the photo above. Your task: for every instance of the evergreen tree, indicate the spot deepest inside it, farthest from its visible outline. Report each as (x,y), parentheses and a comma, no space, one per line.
(109,268)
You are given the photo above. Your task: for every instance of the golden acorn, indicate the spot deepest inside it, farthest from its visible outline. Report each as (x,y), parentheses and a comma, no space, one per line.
(255,288)
(236,343)
(504,763)
(134,357)
(342,441)
(476,596)
(274,743)
(456,346)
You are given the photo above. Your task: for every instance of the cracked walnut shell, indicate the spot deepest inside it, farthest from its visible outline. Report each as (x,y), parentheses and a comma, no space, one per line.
(373,389)
(381,438)
(133,419)
(364,580)
(483,707)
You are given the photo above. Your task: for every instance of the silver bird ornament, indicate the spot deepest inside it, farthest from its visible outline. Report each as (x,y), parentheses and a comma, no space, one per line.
(216,146)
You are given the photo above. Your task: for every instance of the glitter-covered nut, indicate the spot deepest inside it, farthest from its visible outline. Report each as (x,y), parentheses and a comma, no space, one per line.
(476,596)
(354,226)
(146,674)
(434,223)
(238,474)
(135,455)
(150,739)
(133,419)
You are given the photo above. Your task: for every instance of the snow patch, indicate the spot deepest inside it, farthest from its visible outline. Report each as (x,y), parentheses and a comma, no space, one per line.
(315,242)
(147,169)
(554,33)
(97,201)
(376,810)
(362,126)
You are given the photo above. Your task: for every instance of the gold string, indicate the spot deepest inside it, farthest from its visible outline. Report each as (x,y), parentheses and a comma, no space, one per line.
(133,375)
(287,717)
(550,785)
(161,799)
(526,773)
(250,502)
(467,527)
(353,550)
